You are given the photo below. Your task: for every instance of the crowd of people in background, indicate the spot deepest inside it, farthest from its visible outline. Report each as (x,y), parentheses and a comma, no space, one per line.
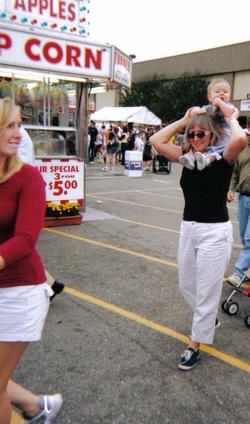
(108,144)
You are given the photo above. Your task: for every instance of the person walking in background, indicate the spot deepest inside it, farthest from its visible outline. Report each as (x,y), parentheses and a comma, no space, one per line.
(111,149)
(131,138)
(206,232)
(105,157)
(140,141)
(124,143)
(240,183)
(147,153)
(24,299)
(100,144)
(92,131)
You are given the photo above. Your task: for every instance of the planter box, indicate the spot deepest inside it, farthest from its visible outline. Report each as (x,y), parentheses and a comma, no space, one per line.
(62,220)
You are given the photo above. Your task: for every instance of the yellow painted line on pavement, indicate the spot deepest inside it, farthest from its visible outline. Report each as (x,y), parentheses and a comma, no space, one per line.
(157,227)
(120,249)
(146,192)
(111,247)
(160,195)
(214,352)
(224,357)
(141,205)
(114,192)
(132,191)
(173,197)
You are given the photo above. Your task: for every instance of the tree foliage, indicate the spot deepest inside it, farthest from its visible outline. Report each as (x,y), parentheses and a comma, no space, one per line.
(168,99)
(142,92)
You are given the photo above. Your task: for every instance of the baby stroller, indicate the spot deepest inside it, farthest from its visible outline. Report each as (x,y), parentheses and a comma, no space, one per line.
(230,306)
(161,164)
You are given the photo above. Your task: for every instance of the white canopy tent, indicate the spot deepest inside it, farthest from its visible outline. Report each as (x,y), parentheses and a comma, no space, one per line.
(135,114)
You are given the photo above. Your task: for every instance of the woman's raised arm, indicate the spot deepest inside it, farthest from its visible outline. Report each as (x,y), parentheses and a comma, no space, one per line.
(160,139)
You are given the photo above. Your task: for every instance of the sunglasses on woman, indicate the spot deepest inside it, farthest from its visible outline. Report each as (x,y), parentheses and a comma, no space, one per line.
(199,134)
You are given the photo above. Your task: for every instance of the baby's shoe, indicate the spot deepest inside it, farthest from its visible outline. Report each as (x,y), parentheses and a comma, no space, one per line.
(187,161)
(201,160)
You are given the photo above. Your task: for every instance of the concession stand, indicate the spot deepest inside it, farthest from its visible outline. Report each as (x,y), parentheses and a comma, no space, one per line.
(48,66)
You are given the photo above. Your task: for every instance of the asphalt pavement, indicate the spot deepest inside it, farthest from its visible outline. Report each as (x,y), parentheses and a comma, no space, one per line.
(113,338)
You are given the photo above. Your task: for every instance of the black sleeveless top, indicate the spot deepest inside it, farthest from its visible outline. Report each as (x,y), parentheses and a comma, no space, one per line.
(205,192)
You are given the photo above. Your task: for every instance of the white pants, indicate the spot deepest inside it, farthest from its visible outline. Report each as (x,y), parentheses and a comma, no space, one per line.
(203,256)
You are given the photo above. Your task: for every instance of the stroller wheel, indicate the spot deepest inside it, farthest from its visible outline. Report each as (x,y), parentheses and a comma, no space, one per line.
(224,305)
(232,308)
(247,321)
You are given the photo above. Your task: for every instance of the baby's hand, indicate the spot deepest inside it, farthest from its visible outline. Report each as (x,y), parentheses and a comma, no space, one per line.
(217,102)
(224,107)
(234,115)
(196,110)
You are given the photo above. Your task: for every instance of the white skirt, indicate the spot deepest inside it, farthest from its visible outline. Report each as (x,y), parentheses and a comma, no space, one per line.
(23,312)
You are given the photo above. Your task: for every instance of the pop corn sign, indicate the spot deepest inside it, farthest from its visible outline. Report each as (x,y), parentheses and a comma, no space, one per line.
(43,52)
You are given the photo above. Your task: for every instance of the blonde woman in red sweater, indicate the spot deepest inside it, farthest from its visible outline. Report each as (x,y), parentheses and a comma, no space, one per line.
(24,292)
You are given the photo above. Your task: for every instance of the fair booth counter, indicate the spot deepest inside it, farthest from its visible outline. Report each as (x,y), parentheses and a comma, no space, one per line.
(48,107)
(50,76)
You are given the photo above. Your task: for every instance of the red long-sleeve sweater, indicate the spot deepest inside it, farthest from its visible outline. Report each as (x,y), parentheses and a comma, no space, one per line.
(22,209)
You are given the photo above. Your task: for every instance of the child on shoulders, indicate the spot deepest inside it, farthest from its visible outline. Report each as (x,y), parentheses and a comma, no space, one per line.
(219,94)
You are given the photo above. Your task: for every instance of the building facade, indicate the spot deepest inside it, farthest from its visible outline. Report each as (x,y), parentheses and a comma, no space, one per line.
(231,62)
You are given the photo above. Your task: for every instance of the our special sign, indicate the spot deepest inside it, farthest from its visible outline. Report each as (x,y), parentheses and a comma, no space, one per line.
(60,54)
(57,15)
(63,178)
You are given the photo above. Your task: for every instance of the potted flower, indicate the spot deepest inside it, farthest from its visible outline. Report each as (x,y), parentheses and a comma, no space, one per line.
(62,214)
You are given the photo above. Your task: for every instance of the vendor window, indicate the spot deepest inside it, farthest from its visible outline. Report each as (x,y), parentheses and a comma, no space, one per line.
(48,104)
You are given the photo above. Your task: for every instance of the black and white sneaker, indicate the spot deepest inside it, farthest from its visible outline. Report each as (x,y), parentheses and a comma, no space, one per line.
(189,359)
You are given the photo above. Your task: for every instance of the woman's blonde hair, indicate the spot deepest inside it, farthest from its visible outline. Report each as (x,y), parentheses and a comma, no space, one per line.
(205,122)
(9,112)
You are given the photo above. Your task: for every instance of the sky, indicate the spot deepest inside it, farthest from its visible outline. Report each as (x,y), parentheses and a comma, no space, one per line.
(160,28)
